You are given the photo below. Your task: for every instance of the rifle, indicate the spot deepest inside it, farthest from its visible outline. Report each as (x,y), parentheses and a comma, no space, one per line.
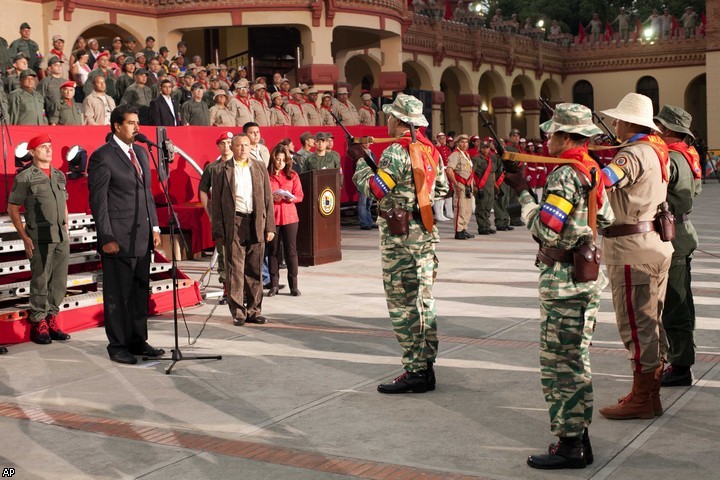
(600,120)
(351,141)
(546,106)
(508,165)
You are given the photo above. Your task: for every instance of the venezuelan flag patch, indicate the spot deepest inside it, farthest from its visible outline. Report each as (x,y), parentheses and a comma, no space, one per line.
(554,212)
(381,184)
(613,174)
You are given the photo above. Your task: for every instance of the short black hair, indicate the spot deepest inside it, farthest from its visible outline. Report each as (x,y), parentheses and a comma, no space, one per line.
(248,125)
(165,80)
(118,115)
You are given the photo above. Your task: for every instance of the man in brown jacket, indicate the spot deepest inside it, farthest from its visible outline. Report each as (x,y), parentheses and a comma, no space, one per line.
(242,221)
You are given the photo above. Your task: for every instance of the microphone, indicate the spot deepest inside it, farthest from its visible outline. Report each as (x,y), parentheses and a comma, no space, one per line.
(140,137)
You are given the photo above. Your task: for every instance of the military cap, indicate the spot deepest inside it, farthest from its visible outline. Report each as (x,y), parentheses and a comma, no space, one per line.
(19,56)
(140,71)
(139,54)
(149,37)
(117,39)
(103,54)
(407,109)
(312,91)
(56,38)
(275,95)
(342,91)
(514,131)
(27,73)
(571,118)
(284,80)
(259,86)
(321,136)
(218,93)
(192,65)
(54,59)
(675,119)
(197,86)
(365,96)
(68,84)
(131,39)
(129,60)
(24,25)
(222,67)
(295,90)
(461,137)
(305,136)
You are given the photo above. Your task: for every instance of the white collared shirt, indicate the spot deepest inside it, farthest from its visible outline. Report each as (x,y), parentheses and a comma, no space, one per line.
(168,99)
(125,148)
(243,187)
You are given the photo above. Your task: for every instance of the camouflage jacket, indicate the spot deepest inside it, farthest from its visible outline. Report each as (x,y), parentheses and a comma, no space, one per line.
(396,165)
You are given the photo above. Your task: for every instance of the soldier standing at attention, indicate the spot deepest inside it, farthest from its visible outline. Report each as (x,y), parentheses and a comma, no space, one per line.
(460,174)
(569,301)
(40,188)
(26,105)
(636,256)
(66,111)
(484,170)
(406,183)
(684,184)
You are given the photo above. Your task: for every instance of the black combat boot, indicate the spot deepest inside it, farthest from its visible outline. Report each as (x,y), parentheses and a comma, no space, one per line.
(415,382)
(430,376)
(677,376)
(587,448)
(567,453)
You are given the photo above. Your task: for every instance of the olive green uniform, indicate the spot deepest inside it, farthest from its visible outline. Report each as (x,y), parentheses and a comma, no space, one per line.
(63,113)
(195,113)
(25,108)
(485,196)
(316,162)
(45,202)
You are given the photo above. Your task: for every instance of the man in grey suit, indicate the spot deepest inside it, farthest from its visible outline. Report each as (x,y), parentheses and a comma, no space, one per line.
(243,220)
(127,229)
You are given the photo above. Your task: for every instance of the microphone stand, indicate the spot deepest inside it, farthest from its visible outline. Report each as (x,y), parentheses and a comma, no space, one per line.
(3,129)
(177,355)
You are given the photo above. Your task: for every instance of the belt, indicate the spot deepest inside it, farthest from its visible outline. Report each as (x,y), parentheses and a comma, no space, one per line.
(242,214)
(549,256)
(682,218)
(630,229)
(415,215)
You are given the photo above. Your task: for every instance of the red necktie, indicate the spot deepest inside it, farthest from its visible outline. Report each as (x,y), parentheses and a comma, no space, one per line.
(135,163)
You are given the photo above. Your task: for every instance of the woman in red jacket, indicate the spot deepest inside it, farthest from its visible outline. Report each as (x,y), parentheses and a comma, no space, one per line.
(285,185)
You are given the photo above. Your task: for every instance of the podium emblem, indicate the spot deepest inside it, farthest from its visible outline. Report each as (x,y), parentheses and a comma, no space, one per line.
(326,202)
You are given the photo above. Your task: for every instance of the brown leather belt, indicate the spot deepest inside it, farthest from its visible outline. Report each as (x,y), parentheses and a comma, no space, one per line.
(549,256)
(681,218)
(631,229)
(415,215)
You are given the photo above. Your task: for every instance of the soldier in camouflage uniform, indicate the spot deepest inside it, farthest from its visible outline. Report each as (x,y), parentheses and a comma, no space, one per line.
(568,307)
(484,170)
(408,261)
(684,184)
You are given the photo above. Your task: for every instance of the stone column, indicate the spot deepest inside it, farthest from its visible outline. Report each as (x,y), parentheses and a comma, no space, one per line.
(469,103)
(317,64)
(532,109)
(503,108)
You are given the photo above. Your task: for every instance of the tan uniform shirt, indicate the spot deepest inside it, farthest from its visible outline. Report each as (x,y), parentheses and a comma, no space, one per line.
(296,112)
(261,112)
(327,119)
(347,113)
(278,117)
(367,116)
(312,115)
(241,110)
(636,199)
(460,163)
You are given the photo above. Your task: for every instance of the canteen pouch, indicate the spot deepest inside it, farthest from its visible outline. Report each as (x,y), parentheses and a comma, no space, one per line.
(586,260)
(665,223)
(398,220)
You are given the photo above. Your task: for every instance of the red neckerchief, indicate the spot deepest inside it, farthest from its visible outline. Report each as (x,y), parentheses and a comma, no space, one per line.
(368,109)
(691,156)
(292,102)
(244,102)
(661,150)
(326,108)
(287,119)
(430,159)
(60,54)
(587,163)
(69,102)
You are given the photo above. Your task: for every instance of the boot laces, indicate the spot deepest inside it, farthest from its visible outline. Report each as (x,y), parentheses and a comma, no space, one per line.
(52,324)
(42,327)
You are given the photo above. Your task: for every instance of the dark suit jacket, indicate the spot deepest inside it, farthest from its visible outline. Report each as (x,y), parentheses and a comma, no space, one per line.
(121,203)
(223,201)
(160,114)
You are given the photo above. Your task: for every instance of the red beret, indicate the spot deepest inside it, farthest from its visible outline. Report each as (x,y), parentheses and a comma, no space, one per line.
(39,140)
(223,136)
(103,54)
(68,84)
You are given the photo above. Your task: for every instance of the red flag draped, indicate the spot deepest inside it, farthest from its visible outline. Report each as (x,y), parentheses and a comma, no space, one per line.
(703,23)
(675,32)
(608,32)
(581,34)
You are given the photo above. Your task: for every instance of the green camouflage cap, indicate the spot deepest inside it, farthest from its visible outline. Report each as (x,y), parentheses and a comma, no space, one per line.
(675,119)
(571,118)
(407,109)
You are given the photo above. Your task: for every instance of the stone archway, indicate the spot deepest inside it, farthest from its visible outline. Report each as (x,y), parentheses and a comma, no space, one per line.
(451,120)
(104,34)
(490,85)
(696,103)
(362,72)
(418,77)
(522,89)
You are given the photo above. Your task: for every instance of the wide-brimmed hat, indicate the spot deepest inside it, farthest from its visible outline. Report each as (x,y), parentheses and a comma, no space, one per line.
(342,91)
(259,86)
(219,93)
(634,108)
(675,119)
(295,90)
(461,137)
(275,95)
(407,109)
(571,118)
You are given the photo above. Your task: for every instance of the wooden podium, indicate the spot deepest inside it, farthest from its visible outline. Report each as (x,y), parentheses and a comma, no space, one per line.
(318,238)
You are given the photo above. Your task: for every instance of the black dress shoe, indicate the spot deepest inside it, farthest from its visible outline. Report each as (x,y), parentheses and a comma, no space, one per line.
(257,319)
(468,234)
(239,322)
(517,223)
(222,300)
(568,453)
(460,236)
(294,292)
(272,292)
(366,227)
(415,382)
(123,356)
(493,231)
(484,231)
(506,228)
(675,376)
(148,350)
(3,350)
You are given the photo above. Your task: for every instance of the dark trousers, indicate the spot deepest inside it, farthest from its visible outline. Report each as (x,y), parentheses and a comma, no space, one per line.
(243,270)
(679,314)
(288,235)
(126,291)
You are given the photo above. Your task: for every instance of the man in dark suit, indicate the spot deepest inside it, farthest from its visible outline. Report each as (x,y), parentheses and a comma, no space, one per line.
(242,221)
(164,109)
(127,229)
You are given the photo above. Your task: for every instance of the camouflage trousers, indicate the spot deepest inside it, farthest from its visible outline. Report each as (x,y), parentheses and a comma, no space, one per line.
(566,329)
(408,277)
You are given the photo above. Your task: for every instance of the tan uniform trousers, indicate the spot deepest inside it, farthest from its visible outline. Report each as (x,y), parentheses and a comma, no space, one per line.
(463,207)
(638,293)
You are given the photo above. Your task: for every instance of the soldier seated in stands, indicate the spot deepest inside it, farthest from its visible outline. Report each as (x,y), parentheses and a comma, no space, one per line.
(40,189)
